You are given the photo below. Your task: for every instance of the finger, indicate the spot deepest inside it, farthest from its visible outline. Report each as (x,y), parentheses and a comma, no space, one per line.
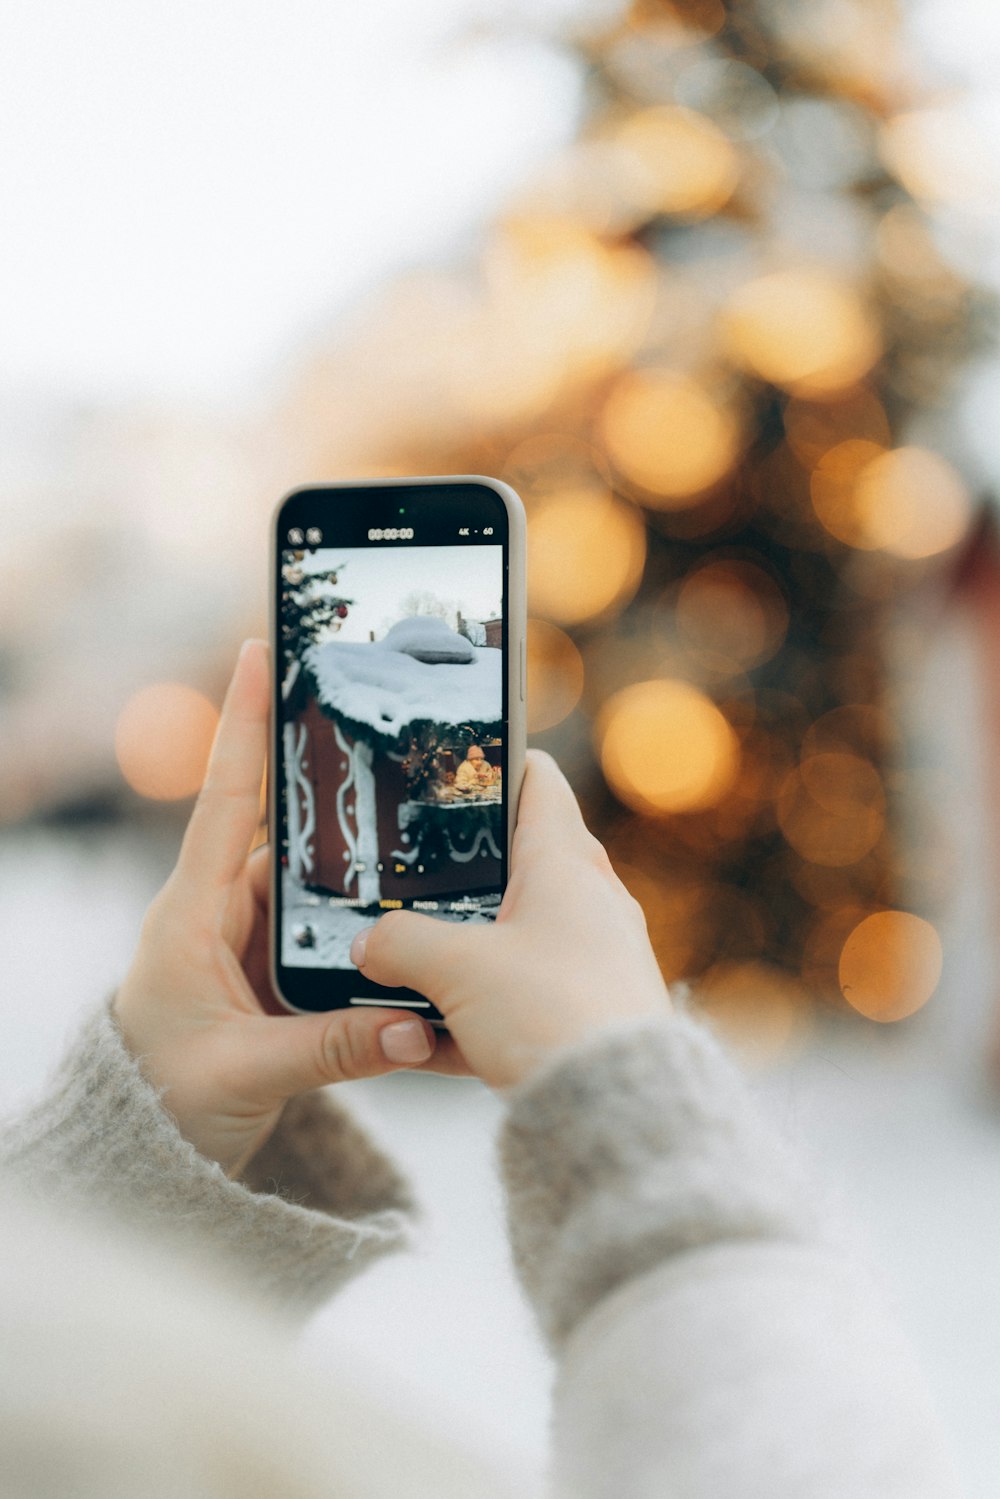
(447,1060)
(548,809)
(225,815)
(259,875)
(404,948)
(290,1055)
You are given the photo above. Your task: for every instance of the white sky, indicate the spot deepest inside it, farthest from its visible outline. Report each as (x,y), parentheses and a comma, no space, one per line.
(379,580)
(190,190)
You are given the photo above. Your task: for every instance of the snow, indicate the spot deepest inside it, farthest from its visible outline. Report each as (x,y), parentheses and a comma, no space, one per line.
(429,639)
(334,926)
(383,685)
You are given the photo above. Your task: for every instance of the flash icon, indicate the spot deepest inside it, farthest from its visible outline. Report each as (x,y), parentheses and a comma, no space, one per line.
(295,537)
(314,536)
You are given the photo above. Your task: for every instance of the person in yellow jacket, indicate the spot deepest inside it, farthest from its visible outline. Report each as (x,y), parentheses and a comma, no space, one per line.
(475,772)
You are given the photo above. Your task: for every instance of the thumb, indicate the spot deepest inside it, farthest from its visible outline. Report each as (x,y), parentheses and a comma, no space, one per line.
(406,949)
(285,1055)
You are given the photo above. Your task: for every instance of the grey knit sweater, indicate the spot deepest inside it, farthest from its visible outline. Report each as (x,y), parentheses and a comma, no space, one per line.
(713,1337)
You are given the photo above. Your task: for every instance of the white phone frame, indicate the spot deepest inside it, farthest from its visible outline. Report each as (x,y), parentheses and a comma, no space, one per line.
(517,666)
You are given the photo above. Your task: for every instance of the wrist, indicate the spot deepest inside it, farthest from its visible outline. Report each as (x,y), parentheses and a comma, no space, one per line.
(550,1035)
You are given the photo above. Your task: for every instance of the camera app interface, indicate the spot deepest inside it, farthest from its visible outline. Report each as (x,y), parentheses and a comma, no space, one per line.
(392,748)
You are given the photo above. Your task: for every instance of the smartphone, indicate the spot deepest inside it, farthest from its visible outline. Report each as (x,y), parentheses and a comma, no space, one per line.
(398,648)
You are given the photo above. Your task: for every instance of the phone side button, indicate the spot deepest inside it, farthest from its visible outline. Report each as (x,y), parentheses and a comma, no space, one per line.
(524,668)
(392,1004)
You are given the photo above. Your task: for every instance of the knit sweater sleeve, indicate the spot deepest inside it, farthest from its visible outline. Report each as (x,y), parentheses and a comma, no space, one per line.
(318,1203)
(712,1330)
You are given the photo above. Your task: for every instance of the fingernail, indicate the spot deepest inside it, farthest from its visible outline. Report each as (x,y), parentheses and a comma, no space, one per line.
(405,1041)
(358,945)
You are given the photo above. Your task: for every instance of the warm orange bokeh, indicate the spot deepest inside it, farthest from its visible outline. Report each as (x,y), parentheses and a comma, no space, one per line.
(555,675)
(890,965)
(858,728)
(679,915)
(913,503)
(586,552)
(669,435)
(941,158)
(671,160)
(802,330)
(763,1012)
(162,740)
(732,614)
(832,809)
(812,428)
(833,487)
(913,264)
(825,940)
(908,502)
(665,747)
(663,160)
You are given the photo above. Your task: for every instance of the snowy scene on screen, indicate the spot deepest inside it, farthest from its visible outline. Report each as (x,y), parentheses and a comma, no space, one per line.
(392,740)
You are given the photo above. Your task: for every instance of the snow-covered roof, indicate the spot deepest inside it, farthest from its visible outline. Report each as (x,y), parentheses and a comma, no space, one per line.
(382,684)
(428,639)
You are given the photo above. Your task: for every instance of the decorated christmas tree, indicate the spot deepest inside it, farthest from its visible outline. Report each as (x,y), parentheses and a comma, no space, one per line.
(311,607)
(709,345)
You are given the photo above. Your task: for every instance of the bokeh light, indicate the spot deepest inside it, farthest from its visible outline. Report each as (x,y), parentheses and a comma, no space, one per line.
(666,748)
(695,342)
(802,330)
(833,487)
(913,503)
(763,1013)
(912,263)
(666,160)
(907,502)
(812,428)
(680,916)
(824,942)
(735,96)
(890,965)
(941,158)
(669,435)
(163,738)
(673,160)
(858,728)
(586,551)
(850,46)
(832,808)
(555,675)
(732,614)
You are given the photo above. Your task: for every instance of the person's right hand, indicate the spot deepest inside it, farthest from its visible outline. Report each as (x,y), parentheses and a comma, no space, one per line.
(567,955)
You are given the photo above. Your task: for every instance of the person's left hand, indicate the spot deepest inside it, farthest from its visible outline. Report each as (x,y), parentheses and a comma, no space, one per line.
(197,1008)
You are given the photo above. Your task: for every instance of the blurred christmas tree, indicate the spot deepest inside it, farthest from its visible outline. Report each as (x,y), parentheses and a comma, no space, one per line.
(311,606)
(697,345)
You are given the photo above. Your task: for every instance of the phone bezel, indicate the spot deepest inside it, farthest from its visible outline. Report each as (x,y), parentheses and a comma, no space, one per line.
(331,989)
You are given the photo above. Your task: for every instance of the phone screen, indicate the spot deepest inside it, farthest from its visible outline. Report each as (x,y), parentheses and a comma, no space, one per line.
(392,711)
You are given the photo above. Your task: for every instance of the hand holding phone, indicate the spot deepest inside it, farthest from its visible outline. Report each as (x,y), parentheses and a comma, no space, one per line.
(398,637)
(568,955)
(196,1006)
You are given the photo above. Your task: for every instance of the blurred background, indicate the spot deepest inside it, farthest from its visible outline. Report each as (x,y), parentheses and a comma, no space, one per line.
(714,285)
